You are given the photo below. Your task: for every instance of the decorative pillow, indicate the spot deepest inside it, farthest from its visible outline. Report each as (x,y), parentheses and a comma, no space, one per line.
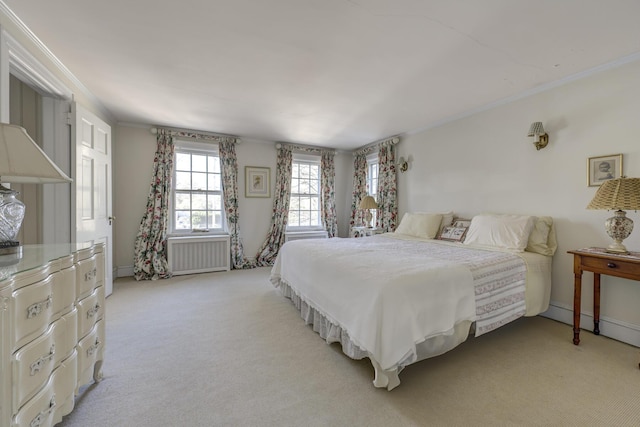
(501,231)
(447,217)
(542,239)
(422,225)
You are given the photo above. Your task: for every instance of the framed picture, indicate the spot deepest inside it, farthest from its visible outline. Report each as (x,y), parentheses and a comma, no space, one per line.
(453,233)
(257,181)
(603,168)
(457,222)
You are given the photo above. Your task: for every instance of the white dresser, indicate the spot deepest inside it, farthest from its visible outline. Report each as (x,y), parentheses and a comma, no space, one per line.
(52,331)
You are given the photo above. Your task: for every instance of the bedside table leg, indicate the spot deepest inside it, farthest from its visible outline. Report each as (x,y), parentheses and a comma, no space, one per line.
(596,303)
(577,292)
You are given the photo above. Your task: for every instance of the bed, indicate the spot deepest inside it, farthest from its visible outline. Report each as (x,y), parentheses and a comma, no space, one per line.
(399,298)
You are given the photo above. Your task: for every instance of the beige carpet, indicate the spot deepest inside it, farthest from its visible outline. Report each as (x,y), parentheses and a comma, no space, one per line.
(226,349)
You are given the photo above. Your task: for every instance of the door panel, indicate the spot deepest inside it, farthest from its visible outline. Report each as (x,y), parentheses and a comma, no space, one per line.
(93,184)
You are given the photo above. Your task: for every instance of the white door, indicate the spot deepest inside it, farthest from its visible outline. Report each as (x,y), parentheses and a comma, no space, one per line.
(93,184)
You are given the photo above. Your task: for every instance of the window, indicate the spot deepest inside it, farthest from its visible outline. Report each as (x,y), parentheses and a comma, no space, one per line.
(197,188)
(304,206)
(372,177)
(372,182)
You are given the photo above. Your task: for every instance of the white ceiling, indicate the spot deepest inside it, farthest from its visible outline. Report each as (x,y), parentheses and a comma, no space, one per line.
(335,73)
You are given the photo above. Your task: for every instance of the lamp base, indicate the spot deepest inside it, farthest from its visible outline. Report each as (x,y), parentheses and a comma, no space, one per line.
(10,247)
(11,216)
(10,255)
(618,227)
(614,248)
(368,217)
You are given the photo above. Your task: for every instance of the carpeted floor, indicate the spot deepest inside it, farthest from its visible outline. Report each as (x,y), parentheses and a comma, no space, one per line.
(226,349)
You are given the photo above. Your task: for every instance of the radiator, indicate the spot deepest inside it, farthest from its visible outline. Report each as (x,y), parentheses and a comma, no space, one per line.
(198,254)
(296,235)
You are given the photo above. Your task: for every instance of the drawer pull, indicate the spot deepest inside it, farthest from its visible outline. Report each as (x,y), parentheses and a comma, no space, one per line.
(90,275)
(40,418)
(35,309)
(91,350)
(38,364)
(611,265)
(93,311)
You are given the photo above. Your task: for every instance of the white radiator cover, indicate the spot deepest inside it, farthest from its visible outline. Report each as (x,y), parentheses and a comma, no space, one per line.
(296,235)
(198,254)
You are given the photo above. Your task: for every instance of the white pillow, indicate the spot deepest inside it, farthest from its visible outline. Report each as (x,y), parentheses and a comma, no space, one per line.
(447,217)
(501,231)
(542,239)
(423,225)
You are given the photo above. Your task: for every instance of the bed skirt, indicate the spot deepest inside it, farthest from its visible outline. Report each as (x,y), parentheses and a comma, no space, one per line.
(333,333)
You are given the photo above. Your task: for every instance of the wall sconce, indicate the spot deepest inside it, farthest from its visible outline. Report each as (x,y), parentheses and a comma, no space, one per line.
(540,137)
(403,164)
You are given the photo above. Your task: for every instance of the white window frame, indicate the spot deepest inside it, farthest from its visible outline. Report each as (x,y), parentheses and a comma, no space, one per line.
(194,147)
(372,181)
(315,160)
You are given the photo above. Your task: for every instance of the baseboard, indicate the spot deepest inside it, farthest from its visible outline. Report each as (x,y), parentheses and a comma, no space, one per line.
(611,328)
(124,271)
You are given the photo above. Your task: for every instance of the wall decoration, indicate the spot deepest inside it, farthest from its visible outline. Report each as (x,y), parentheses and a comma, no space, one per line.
(453,233)
(257,181)
(603,168)
(458,222)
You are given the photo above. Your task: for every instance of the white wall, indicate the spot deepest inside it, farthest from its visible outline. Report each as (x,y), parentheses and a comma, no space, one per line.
(132,171)
(485,162)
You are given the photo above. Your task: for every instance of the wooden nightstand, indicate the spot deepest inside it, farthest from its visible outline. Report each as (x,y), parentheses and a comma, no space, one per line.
(598,261)
(365,231)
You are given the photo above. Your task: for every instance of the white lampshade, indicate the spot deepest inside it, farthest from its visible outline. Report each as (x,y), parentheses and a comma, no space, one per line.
(536,129)
(22,161)
(368,202)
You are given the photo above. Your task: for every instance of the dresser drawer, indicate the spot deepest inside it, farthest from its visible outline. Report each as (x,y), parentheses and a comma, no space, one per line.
(612,267)
(65,336)
(32,311)
(32,366)
(90,309)
(35,361)
(64,290)
(90,350)
(86,276)
(52,402)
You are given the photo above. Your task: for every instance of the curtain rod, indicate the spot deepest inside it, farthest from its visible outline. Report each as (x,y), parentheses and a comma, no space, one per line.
(306,148)
(370,147)
(197,135)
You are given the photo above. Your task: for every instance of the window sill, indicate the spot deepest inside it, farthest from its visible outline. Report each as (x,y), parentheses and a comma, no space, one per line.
(197,233)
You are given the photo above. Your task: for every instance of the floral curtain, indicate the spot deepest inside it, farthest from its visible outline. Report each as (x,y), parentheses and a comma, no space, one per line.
(359,189)
(229,167)
(282,193)
(151,241)
(328,192)
(387,196)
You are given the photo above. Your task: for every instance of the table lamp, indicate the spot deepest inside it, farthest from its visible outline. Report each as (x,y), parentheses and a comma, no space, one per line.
(618,194)
(21,161)
(368,203)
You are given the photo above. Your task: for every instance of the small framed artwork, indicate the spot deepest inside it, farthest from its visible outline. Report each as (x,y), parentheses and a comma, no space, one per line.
(457,222)
(453,233)
(257,181)
(603,168)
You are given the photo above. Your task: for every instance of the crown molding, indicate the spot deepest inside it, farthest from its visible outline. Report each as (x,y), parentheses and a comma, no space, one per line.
(27,66)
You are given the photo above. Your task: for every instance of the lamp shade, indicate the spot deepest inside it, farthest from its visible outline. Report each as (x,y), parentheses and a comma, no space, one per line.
(368,202)
(621,193)
(22,161)
(536,129)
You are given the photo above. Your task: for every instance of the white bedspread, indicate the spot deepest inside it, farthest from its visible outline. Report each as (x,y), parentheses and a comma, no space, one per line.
(390,294)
